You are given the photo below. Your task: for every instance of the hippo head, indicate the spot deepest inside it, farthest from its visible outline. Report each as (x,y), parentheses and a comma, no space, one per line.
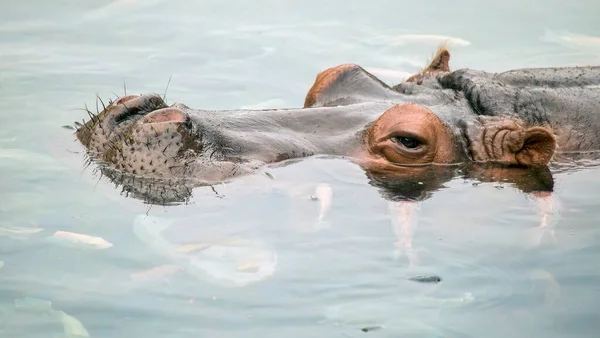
(418,131)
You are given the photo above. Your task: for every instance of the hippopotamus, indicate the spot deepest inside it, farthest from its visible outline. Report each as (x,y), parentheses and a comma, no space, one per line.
(420,130)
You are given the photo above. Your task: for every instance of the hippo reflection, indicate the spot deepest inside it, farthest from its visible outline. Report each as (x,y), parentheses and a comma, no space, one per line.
(491,126)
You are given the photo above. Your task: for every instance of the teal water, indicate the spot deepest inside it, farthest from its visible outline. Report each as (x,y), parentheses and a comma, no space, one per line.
(259,257)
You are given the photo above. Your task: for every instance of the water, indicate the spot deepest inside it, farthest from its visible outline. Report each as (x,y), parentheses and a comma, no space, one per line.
(328,278)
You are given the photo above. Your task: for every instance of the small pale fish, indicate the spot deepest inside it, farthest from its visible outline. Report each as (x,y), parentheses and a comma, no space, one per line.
(192,247)
(1,264)
(324,194)
(81,240)
(251,266)
(161,271)
(72,327)
(404,216)
(18,232)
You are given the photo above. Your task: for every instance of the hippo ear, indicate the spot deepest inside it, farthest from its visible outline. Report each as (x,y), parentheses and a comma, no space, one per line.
(537,148)
(506,140)
(440,63)
(346,84)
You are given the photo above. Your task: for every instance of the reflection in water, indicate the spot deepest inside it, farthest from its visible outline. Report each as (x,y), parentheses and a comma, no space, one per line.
(404,224)
(226,260)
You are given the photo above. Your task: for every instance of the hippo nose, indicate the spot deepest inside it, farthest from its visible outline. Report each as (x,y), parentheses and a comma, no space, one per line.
(132,105)
(164,115)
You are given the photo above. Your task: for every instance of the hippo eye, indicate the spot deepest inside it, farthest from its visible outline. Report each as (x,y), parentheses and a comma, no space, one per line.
(407,141)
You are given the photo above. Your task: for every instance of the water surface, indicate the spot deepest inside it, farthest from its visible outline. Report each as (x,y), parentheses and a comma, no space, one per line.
(329,277)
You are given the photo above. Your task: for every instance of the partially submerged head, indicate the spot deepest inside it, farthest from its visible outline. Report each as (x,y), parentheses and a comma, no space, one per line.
(393,134)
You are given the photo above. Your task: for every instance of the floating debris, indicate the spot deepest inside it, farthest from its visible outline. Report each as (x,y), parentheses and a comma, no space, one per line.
(426,279)
(18,232)
(371,328)
(80,240)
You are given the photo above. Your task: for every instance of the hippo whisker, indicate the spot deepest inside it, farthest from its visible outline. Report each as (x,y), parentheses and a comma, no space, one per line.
(167,88)
(101,102)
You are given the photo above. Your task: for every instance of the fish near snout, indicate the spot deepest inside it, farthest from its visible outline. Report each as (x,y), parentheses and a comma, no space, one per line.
(508,141)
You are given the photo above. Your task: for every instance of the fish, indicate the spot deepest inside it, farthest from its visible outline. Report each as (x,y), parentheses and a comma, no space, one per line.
(1,264)
(80,240)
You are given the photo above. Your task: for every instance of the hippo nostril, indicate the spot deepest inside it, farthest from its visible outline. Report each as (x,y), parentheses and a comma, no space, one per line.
(133,105)
(125,99)
(166,115)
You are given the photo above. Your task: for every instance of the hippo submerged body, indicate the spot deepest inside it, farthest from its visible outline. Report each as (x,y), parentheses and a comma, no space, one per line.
(436,119)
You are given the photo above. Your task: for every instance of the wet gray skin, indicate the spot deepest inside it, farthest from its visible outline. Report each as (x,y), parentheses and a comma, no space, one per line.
(210,146)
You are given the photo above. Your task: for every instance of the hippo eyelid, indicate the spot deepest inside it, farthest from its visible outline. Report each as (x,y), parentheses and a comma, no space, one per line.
(397,136)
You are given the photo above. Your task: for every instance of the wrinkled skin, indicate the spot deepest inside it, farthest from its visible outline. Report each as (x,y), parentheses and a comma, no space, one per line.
(425,130)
